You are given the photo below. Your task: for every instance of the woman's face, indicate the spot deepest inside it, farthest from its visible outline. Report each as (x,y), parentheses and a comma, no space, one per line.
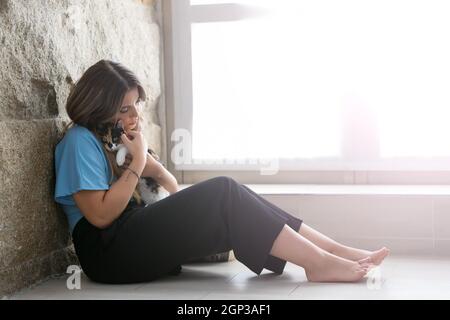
(130,110)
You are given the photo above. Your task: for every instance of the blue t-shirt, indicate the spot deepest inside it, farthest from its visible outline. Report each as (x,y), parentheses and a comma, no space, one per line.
(81,164)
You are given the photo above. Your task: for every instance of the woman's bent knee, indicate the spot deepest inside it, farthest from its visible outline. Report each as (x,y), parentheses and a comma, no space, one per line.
(223,179)
(218,186)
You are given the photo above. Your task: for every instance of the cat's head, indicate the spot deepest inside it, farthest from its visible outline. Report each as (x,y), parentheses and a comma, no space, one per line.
(110,135)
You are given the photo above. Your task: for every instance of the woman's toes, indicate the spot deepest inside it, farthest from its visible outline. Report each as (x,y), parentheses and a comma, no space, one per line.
(361,273)
(379,255)
(365,260)
(366,265)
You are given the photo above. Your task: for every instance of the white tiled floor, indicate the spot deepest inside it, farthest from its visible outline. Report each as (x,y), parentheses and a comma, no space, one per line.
(400,277)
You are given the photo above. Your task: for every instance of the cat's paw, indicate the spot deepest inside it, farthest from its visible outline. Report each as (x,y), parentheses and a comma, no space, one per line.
(121,154)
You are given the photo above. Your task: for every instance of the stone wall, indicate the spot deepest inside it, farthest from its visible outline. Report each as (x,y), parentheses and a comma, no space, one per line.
(45,46)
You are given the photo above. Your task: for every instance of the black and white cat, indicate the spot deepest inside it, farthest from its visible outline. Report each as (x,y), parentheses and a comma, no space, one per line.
(149,190)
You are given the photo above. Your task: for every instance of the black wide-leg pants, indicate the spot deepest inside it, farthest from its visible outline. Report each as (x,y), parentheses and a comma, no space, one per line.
(212,216)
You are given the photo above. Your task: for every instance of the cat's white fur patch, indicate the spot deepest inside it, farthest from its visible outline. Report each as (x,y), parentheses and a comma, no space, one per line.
(147,195)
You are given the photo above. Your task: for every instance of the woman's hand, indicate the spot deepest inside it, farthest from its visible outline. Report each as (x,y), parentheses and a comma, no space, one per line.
(136,144)
(152,166)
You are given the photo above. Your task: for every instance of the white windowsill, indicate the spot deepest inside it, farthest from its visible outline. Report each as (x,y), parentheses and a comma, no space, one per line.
(314,189)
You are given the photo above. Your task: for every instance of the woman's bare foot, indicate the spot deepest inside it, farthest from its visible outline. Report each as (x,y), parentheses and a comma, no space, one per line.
(336,269)
(376,257)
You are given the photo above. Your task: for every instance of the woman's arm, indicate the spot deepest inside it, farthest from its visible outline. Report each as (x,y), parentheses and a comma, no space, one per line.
(168,181)
(162,176)
(102,207)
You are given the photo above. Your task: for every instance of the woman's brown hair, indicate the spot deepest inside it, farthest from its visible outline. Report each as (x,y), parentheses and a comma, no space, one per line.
(97,97)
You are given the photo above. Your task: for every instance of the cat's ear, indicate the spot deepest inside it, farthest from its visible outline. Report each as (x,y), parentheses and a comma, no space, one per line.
(101,129)
(104,128)
(119,124)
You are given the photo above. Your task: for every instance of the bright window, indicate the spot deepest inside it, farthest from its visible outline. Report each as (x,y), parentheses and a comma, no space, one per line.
(348,81)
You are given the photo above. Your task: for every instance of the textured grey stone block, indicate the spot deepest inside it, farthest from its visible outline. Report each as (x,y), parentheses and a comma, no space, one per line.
(45,46)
